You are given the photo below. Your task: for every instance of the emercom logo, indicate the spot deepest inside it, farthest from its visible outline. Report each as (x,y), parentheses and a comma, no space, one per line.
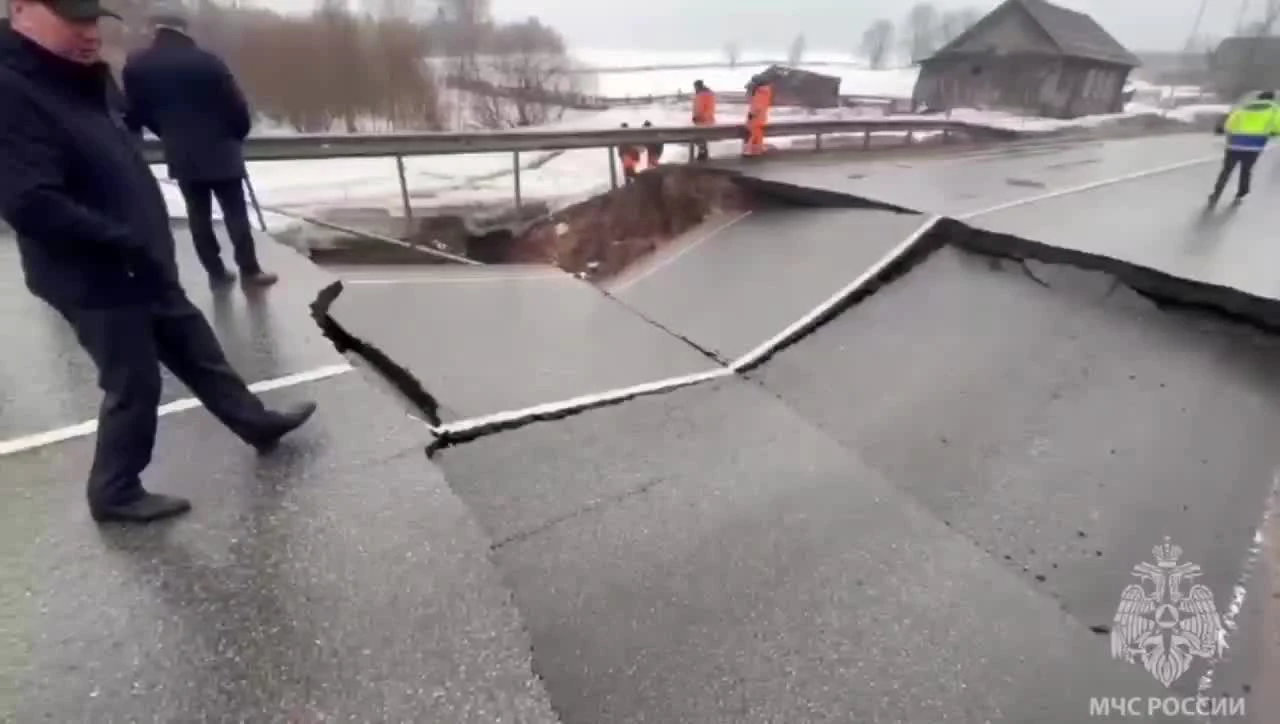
(1161,625)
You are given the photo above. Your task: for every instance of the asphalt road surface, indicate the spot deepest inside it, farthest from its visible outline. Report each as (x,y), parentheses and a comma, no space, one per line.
(924,510)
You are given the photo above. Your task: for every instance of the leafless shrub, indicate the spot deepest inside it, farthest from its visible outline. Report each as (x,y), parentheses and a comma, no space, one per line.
(521,78)
(877,40)
(331,70)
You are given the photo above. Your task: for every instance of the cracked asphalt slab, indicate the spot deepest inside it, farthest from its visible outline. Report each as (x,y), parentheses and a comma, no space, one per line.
(710,556)
(47,382)
(960,185)
(725,293)
(507,343)
(1065,429)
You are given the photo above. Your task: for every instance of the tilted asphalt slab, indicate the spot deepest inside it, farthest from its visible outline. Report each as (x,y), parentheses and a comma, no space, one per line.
(47,382)
(710,556)
(1066,430)
(487,344)
(336,579)
(732,290)
(957,186)
(1164,222)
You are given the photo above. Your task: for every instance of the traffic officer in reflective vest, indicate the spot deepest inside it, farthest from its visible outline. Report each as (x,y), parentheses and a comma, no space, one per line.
(1248,128)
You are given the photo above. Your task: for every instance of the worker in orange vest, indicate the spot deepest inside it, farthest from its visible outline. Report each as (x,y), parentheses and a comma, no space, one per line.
(761,91)
(704,114)
(630,156)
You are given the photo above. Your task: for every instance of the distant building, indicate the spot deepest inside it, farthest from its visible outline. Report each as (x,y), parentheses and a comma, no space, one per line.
(794,87)
(1032,57)
(1243,64)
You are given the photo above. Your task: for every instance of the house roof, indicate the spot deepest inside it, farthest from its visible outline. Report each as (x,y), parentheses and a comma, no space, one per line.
(1076,34)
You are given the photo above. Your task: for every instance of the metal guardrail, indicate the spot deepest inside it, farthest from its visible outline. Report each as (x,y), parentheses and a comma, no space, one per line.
(401,145)
(386,145)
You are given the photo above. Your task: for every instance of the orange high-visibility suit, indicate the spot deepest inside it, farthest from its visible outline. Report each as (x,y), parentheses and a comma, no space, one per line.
(704,114)
(630,156)
(758,118)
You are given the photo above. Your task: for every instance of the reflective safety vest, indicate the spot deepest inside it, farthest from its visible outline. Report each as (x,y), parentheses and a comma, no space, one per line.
(704,108)
(1250,126)
(761,99)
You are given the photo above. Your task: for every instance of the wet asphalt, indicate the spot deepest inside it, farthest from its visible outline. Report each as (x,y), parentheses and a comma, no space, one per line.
(924,511)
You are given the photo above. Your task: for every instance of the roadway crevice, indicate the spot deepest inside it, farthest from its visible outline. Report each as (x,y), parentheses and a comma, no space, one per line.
(399,377)
(1166,291)
(710,354)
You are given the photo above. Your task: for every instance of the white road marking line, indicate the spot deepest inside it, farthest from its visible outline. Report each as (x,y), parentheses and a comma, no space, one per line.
(1239,592)
(780,338)
(84,429)
(541,276)
(690,246)
(1085,187)
(578,403)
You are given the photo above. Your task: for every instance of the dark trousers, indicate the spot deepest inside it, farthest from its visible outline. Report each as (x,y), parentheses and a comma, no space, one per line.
(127,345)
(199,196)
(1246,161)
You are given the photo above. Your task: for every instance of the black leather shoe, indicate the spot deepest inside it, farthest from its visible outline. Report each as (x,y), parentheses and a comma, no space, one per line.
(283,423)
(149,508)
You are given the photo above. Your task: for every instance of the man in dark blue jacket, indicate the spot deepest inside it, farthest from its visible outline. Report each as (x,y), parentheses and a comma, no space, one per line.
(93,234)
(188,97)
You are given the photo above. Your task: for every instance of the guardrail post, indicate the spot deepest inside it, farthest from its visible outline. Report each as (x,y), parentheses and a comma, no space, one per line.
(817,141)
(613,167)
(866,139)
(515,172)
(911,137)
(404,197)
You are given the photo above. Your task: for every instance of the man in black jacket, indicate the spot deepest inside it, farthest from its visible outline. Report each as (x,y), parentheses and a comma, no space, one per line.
(188,97)
(93,233)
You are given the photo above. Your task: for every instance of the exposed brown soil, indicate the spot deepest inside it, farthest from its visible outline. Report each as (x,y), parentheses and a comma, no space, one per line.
(603,235)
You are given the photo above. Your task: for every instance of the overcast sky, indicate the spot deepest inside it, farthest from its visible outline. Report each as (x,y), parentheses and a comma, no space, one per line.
(833,25)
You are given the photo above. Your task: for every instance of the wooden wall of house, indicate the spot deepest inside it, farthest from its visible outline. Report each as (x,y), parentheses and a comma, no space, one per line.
(1096,88)
(1030,85)
(1015,84)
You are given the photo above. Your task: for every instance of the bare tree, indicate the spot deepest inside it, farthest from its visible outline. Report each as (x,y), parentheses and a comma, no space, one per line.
(732,53)
(953,23)
(877,39)
(795,53)
(921,36)
(524,79)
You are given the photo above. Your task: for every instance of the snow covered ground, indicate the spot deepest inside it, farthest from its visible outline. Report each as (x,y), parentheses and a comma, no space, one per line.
(308,187)
(894,83)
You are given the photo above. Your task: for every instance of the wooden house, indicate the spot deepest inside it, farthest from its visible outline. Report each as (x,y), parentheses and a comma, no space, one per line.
(1029,57)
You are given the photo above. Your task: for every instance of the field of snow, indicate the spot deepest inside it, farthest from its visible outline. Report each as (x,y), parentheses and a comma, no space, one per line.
(895,83)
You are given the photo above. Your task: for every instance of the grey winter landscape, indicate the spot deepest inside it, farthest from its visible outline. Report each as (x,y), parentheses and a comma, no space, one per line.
(581,363)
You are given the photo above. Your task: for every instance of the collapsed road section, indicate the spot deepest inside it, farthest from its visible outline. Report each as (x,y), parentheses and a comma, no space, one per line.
(931,500)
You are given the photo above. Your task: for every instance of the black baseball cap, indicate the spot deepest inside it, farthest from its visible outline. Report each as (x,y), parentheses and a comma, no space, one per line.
(79,11)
